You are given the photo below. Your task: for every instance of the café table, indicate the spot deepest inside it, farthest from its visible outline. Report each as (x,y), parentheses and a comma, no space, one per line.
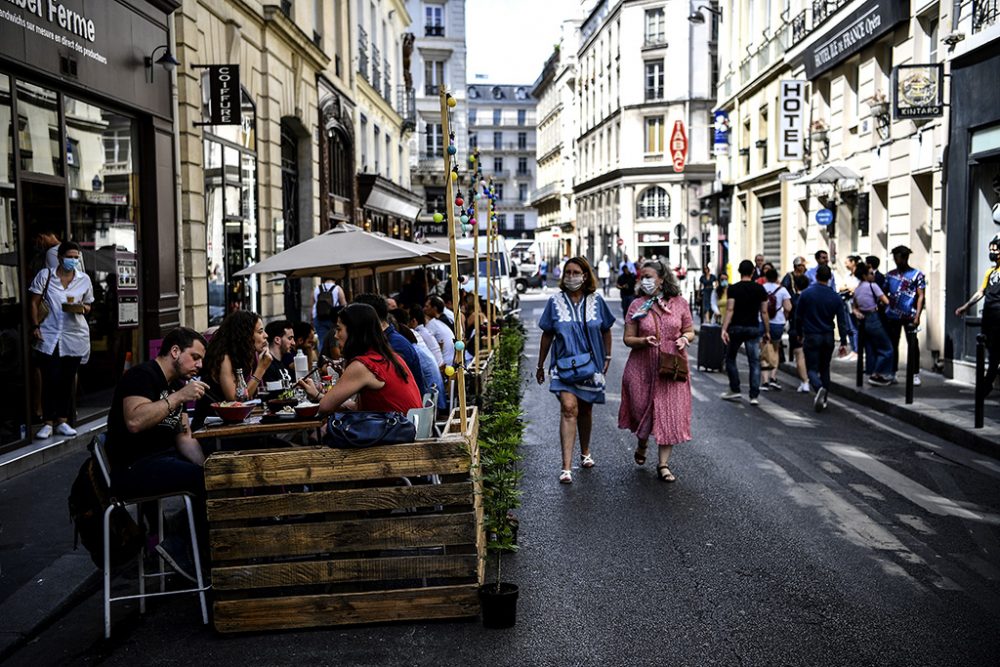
(256,425)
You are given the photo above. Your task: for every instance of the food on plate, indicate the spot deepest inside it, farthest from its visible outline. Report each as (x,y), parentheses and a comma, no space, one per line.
(287,410)
(229,404)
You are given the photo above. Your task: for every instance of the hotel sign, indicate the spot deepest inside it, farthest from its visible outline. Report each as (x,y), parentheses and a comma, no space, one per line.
(859,30)
(918,91)
(791,110)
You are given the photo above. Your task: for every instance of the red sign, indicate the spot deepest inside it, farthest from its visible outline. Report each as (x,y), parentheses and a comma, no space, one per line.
(621,242)
(678,146)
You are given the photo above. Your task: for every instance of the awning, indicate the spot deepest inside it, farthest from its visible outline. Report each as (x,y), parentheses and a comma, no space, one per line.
(385,202)
(831,174)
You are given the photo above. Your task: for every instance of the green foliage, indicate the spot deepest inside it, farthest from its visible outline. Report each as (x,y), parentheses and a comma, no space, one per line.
(501,429)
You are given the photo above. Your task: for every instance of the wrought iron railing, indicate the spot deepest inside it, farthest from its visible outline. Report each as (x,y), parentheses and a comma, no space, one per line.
(434,31)
(362,52)
(800,27)
(387,79)
(984,14)
(376,76)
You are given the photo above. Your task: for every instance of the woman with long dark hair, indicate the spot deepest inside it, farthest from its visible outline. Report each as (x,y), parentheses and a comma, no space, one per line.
(238,346)
(372,370)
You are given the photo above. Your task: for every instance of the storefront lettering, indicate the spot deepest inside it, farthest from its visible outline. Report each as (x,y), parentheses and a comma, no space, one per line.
(57,13)
(225,96)
(846,39)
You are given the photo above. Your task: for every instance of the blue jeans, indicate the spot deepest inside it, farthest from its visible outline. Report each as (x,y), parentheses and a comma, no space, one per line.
(878,347)
(750,337)
(818,349)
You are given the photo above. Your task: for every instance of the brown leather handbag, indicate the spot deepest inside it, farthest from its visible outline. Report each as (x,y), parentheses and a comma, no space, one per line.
(673,367)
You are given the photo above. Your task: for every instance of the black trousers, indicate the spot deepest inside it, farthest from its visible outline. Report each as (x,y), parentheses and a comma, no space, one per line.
(895,328)
(58,380)
(992,331)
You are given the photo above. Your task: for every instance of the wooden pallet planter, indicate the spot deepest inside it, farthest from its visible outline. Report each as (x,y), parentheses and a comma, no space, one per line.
(312,536)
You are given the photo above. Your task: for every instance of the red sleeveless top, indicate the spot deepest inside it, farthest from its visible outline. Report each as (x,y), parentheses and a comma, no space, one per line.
(398,395)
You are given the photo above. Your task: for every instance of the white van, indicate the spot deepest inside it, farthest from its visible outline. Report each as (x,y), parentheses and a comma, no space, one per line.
(501,271)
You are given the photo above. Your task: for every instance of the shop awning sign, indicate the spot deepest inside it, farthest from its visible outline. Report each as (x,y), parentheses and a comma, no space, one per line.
(918,90)
(223,83)
(859,30)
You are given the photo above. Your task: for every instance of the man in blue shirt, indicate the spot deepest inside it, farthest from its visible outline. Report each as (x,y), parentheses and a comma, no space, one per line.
(822,259)
(905,286)
(815,313)
(404,348)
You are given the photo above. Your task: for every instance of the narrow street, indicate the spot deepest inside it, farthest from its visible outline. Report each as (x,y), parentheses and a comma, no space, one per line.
(790,538)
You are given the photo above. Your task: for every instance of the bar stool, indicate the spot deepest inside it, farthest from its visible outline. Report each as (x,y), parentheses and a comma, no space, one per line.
(102,462)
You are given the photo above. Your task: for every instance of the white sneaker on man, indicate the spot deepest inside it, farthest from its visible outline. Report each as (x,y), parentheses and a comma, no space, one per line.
(65,429)
(44,433)
(731,396)
(819,403)
(803,388)
(916,379)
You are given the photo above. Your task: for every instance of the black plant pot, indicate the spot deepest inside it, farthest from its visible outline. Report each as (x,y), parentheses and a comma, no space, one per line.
(499,607)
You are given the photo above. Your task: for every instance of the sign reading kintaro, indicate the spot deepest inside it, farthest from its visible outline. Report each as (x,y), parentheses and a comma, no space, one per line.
(223,83)
(791,109)
(859,30)
(918,90)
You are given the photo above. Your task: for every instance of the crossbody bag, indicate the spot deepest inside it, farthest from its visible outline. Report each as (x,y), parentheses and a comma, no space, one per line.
(579,367)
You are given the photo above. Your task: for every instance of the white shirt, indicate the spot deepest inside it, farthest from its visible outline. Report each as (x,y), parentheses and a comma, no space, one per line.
(68,330)
(780,296)
(450,314)
(444,338)
(52,257)
(337,295)
(432,345)
(603,269)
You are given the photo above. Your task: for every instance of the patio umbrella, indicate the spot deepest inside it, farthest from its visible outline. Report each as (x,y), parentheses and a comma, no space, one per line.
(345,251)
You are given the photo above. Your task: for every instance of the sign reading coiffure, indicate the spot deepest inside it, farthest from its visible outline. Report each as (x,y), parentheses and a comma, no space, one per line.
(223,83)
(860,29)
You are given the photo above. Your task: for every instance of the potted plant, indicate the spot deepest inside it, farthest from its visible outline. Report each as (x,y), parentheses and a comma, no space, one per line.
(500,433)
(818,130)
(878,104)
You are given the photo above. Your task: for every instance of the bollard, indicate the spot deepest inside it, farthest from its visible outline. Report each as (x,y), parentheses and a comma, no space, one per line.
(980,379)
(912,361)
(860,379)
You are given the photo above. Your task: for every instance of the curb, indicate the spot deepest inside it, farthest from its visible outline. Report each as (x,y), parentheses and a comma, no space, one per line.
(39,453)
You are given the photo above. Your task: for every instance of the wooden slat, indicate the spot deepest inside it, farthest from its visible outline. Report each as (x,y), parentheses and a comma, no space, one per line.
(315,465)
(242,577)
(244,429)
(340,500)
(348,608)
(398,532)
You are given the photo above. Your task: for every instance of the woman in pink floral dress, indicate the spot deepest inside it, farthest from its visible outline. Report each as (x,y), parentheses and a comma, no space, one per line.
(659,319)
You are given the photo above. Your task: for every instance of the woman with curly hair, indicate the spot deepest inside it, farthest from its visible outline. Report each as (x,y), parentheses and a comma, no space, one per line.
(239,345)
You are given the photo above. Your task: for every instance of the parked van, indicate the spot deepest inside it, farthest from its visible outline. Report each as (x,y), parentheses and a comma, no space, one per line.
(502,271)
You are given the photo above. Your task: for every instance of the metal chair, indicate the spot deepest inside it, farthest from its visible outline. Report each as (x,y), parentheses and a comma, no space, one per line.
(102,462)
(423,420)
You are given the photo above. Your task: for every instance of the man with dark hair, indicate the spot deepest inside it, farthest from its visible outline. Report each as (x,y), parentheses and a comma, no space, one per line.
(758,267)
(873,262)
(815,313)
(746,306)
(822,259)
(397,341)
(281,341)
(149,443)
(905,287)
(442,331)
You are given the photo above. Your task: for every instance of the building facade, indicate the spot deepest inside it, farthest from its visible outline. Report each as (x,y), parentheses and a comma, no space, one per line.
(643,138)
(86,131)
(813,138)
(555,91)
(438,59)
(502,129)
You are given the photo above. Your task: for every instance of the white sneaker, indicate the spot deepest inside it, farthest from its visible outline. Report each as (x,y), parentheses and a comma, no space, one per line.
(731,396)
(754,401)
(803,388)
(916,380)
(44,433)
(65,429)
(819,403)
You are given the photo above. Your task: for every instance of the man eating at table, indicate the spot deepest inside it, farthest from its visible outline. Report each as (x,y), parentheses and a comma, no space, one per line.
(149,443)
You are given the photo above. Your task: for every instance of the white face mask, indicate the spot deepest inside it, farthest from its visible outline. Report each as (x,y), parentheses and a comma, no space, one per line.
(648,285)
(574,283)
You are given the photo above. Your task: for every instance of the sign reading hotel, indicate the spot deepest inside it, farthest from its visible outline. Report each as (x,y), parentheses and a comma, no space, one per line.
(40,16)
(791,110)
(859,30)
(918,91)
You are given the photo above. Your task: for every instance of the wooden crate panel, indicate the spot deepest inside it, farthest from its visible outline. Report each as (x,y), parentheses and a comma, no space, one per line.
(271,575)
(339,500)
(397,532)
(349,608)
(316,465)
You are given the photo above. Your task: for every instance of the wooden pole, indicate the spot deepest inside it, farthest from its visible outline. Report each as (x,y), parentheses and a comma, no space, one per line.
(449,197)
(489,270)
(475,251)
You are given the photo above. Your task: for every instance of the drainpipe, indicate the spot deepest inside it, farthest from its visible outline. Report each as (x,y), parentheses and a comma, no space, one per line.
(178,218)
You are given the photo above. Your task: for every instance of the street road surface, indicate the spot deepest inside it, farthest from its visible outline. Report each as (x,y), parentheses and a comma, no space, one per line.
(790,538)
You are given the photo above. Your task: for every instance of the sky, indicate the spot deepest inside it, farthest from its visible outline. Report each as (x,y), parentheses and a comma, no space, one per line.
(510,40)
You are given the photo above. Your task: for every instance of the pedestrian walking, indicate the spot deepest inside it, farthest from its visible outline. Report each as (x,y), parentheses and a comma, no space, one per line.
(758,267)
(719,299)
(818,307)
(543,271)
(798,269)
(878,349)
(706,285)
(653,402)
(626,288)
(576,326)
(847,294)
(328,299)
(800,283)
(60,301)
(989,290)
(604,275)
(746,306)
(779,305)
(822,259)
(905,288)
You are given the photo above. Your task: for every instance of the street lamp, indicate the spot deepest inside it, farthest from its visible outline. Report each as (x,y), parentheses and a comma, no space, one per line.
(698,18)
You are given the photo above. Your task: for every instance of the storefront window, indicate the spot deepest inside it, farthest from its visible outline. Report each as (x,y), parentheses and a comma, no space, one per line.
(103,211)
(38,129)
(231,214)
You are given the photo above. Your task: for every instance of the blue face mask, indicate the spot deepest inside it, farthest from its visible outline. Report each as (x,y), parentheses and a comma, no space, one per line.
(70,263)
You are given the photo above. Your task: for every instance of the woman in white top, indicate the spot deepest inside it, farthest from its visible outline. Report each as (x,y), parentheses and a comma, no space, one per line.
(770,352)
(62,339)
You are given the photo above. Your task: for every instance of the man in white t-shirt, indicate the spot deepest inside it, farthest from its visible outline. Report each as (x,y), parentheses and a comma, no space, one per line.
(337,300)
(443,334)
(779,305)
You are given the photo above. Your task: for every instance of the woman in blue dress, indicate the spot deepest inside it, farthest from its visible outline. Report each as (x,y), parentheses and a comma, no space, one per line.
(576,326)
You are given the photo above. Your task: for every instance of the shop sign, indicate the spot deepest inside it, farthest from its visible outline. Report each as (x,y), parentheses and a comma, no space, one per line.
(223,83)
(654,238)
(791,105)
(678,146)
(721,126)
(918,91)
(42,17)
(859,30)
(824,217)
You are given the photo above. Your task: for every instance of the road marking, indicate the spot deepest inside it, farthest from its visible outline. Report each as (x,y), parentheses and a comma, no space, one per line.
(867,491)
(913,491)
(698,395)
(790,418)
(916,523)
(831,468)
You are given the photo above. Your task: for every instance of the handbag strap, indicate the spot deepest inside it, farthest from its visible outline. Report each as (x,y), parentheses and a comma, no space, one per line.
(45,291)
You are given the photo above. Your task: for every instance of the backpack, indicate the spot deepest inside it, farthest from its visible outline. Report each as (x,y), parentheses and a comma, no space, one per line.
(88,498)
(772,303)
(324,303)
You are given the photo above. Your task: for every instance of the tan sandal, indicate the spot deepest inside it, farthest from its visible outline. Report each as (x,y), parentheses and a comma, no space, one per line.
(663,472)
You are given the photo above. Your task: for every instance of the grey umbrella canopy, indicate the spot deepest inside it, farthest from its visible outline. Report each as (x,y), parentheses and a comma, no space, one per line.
(345,251)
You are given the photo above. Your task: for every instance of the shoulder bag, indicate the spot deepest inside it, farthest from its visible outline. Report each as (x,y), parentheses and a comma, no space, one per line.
(579,367)
(356,430)
(673,367)
(43,305)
